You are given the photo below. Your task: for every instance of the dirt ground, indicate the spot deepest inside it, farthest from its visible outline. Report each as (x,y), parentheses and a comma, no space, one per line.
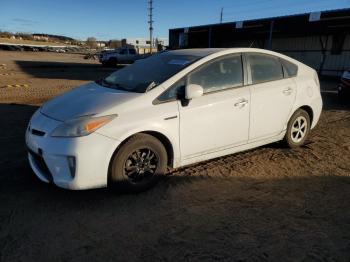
(267,204)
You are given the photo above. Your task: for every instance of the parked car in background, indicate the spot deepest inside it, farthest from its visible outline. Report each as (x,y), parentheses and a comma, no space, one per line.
(344,85)
(118,56)
(170,110)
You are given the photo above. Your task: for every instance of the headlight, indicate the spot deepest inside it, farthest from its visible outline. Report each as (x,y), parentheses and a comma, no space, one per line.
(81,126)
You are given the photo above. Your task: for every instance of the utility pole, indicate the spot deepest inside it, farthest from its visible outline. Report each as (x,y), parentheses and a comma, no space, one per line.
(221,14)
(150,22)
(270,34)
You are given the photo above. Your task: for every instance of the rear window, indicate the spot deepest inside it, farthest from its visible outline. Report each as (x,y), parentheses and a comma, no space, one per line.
(289,69)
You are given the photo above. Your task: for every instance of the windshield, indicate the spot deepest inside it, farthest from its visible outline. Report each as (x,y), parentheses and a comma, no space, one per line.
(147,73)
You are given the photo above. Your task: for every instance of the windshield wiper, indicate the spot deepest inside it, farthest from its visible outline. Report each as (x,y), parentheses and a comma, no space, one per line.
(104,83)
(151,86)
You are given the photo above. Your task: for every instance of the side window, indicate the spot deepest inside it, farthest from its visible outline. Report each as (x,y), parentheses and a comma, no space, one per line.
(289,69)
(132,51)
(122,52)
(264,68)
(223,73)
(173,92)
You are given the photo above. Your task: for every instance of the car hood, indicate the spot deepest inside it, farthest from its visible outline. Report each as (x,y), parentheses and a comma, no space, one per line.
(85,100)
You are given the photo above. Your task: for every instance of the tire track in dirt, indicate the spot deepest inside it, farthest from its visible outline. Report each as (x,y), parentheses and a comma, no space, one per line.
(260,205)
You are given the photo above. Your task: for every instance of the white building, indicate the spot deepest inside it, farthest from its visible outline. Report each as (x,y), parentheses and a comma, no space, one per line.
(142,44)
(101,44)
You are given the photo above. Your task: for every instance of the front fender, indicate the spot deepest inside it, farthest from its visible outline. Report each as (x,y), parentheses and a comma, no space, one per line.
(121,134)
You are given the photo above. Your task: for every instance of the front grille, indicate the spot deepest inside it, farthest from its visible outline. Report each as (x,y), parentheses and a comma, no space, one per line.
(41,165)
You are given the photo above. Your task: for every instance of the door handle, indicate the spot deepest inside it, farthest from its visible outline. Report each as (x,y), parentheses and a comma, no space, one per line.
(241,103)
(287,91)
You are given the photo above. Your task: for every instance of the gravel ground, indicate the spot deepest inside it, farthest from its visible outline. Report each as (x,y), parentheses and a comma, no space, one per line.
(266,204)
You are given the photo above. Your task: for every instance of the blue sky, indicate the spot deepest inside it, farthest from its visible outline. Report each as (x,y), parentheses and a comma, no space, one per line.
(116,19)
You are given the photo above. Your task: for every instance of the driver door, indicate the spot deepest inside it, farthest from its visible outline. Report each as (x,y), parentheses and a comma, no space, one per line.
(219,119)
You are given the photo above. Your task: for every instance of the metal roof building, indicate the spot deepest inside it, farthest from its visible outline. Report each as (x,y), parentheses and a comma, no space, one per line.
(319,39)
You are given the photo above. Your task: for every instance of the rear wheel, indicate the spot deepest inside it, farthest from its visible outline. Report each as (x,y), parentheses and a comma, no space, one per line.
(298,129)
(139,163)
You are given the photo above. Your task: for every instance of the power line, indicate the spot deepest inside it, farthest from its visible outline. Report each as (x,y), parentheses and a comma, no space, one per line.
(248,4)
(273,6)
(287,3)
(275,9)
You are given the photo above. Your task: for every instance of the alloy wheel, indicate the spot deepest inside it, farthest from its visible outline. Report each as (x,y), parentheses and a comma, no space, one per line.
(141,165)
(299,129)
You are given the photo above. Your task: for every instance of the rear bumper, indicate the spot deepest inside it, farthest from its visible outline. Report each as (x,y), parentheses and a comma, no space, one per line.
(316,105)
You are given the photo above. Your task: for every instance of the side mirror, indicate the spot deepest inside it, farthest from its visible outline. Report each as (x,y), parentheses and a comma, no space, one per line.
(193,91)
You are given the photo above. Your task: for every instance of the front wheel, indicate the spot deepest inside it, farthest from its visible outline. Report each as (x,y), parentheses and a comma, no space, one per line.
(298,129)
(139,163)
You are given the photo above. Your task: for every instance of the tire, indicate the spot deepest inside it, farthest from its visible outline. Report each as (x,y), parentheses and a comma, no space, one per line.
(129,172)
(112,62)
(296,134)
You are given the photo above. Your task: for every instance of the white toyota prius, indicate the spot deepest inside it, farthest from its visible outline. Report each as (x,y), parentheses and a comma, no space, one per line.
(172,109)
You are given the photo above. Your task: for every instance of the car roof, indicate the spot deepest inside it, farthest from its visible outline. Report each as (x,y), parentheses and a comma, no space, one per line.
(201,52)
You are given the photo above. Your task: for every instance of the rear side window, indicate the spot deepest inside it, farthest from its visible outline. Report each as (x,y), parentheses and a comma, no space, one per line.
(289,69)
(264,68)
(132,51)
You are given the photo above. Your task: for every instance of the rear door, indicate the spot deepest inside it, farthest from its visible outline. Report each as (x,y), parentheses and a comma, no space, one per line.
(272,95)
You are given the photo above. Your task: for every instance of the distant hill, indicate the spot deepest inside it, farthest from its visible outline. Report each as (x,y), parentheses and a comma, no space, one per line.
(37,37)
(60,37)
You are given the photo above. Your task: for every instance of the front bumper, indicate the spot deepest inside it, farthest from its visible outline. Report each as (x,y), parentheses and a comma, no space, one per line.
(49,157)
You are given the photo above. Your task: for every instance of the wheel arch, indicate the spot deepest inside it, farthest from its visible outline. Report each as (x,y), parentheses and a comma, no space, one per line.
(308,110)
(161,137)
(166,143)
